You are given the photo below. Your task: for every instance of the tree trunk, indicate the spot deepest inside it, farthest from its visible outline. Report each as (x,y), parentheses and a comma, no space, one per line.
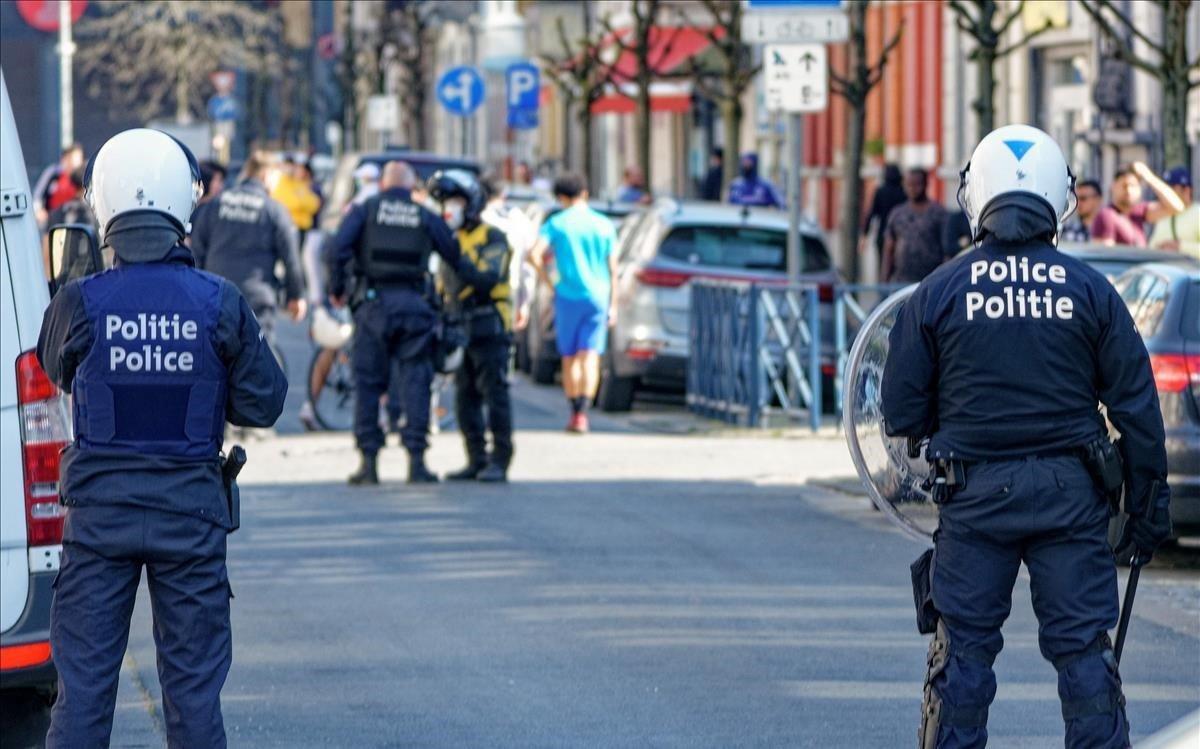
(643,122)
(851,198)
(985,98)
(183,111)
(1176,151)
(585,127)
(731,118)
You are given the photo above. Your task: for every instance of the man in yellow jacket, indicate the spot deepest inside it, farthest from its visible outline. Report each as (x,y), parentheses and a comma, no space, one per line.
(294,190)
(484,305)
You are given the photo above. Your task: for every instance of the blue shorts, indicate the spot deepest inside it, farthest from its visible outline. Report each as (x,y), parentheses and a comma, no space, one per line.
(580,325)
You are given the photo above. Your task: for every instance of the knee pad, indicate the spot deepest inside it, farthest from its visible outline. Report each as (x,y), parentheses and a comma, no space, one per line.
(934,712)
(1091,671)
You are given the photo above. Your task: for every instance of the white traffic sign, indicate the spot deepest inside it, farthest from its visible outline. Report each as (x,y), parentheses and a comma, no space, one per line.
(383,113)
(797,77)
(823,26)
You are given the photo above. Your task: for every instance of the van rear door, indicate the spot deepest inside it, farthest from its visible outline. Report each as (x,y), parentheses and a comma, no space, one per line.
(14,557)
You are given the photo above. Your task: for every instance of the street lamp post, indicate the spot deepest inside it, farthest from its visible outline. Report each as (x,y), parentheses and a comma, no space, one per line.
(66,84)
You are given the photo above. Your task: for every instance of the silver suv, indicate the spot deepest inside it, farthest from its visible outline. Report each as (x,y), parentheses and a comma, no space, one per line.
(662,249)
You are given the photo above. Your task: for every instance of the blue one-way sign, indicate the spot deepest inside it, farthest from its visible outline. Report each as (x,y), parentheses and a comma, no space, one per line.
(523,93)
(460,90)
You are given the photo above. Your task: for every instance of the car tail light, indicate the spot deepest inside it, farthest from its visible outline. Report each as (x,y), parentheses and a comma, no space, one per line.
(45,430)
(1174,372)
(24,656)
(669,279)
(825,293)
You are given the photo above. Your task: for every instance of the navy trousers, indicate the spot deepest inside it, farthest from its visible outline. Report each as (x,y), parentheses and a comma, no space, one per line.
(396,326)
(1047,514)
(104,551)
(482,380)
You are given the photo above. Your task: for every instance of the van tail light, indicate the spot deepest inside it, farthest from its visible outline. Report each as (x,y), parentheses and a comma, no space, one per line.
(1173,373)
(668,279)
(45,430)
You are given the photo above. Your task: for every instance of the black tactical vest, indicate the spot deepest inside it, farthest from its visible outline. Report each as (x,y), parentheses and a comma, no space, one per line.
(395,246)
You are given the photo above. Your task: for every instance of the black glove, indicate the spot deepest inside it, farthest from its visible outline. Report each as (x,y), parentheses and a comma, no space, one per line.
(1147,530)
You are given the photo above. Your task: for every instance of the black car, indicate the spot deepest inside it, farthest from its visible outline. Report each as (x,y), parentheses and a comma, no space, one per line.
(1164,300)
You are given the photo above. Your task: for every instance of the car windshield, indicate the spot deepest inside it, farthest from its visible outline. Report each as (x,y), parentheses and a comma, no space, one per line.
(424,169)
(744,248)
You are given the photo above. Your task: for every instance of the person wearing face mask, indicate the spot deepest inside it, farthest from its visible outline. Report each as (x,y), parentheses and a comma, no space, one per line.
(388,240)
(751,189)
(484,304)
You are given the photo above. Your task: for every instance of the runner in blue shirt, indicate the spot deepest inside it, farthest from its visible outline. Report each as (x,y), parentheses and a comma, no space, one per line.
(583,242)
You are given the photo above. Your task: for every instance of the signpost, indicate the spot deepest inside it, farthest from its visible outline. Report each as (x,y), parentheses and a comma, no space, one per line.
(523,85)
(796,73)
(460,90)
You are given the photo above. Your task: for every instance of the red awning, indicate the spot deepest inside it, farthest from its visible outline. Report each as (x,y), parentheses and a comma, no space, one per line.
(670,48)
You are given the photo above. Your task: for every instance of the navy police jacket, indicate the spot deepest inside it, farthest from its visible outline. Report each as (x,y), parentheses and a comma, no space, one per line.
(1008,350)
(354,225)
(157,356)
(240,235)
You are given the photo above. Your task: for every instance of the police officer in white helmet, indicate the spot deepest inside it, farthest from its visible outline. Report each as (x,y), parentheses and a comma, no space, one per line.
(1000,359)
(157,357)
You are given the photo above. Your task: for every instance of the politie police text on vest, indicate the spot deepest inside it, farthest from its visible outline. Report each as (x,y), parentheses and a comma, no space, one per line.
(1038,303)
(398,213)
(149,357)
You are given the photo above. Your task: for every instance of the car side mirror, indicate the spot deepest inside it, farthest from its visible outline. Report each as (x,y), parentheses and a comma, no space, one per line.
(74,253)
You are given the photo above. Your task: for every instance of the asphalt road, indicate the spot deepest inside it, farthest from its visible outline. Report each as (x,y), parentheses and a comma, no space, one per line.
(651,584)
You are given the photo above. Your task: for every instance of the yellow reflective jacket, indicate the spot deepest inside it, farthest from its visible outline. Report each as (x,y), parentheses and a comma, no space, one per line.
(487,249)
(299,200)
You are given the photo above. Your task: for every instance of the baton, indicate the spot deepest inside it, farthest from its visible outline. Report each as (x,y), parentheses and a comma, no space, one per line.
(1135,572)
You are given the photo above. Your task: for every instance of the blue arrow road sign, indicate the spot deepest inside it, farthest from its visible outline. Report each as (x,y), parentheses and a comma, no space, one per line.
(460,90)
(523,89)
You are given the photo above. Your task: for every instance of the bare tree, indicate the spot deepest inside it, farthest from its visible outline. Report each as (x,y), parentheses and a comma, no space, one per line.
(412,52)
(986,24)
(582,79)
(146,56)
(1168,65)
(727,83)
(649,54)
(862,75)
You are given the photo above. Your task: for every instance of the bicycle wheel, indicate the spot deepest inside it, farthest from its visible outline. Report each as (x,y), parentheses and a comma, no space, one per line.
(333,404)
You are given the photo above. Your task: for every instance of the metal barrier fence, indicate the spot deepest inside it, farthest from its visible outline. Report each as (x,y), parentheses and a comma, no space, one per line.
(754,349)
(852,303)
(757,349)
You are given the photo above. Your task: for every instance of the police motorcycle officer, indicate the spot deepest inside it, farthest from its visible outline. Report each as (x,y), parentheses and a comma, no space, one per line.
(1000,358)
(484,308)
(157,356)
(385,244)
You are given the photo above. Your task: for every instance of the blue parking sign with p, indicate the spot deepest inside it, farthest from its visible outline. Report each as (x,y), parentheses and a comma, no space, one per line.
(523,91)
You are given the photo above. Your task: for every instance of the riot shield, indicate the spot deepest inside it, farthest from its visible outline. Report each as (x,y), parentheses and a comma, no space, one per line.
(893,479)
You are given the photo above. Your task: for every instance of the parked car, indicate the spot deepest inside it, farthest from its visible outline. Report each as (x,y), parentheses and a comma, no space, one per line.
(1113,261)
(668,246)
(536,346)
(34,426)
(340,189)
(1164,300)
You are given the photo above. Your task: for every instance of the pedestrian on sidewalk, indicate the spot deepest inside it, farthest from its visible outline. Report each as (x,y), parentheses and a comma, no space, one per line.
(1126,220)
(582,241)
(142,481)
(912,239)
(1090,199)
(1180,232)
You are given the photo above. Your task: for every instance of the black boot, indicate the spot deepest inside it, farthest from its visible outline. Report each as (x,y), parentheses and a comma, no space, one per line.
(470,473)
(418,473)
(367,474)
(494,473)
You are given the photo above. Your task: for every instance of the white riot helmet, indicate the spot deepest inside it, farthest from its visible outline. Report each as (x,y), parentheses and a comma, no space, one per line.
(1016,159)
(143,170)
(331,330)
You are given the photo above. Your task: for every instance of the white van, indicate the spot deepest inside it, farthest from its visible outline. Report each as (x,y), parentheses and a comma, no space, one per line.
(34,427)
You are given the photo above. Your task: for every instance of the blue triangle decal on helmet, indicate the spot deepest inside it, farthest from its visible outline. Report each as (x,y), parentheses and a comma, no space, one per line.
(1019,147)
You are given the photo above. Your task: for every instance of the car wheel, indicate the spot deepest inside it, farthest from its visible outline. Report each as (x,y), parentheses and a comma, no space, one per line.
(616,393)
